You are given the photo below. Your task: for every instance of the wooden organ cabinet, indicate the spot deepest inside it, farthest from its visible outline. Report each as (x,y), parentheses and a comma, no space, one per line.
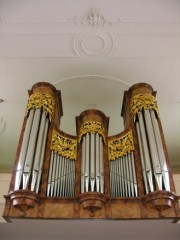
(92,175)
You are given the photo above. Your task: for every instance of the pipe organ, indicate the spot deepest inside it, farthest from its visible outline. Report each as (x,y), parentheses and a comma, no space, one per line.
(92,175)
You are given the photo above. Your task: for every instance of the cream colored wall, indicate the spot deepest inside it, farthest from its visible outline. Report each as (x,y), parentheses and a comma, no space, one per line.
(177,183)
(5,180)
(4,186)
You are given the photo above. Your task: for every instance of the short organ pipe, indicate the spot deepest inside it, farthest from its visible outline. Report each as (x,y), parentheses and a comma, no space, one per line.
(123,181)
(61,179)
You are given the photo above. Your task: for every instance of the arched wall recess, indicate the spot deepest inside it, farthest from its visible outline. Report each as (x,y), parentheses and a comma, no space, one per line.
(91,91)
(92,175)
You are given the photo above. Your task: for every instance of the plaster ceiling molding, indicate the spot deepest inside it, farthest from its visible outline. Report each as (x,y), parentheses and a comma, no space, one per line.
(94,44)
(94,17)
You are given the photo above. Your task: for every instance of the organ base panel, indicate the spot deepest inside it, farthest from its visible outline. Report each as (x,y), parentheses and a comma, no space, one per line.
(92,175)
(93,206)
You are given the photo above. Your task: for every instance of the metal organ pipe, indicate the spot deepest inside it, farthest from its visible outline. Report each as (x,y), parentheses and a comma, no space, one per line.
(131,182)
(50,173)
(38,152)
(116,177)
(92,170)
(24,147)
(31,149)
(87,163)
(153,149)
(123,182)
(97,147)
(142,157)
(151,152)
(160,150)
(42,154)
(147,156)
(122,176)
(101,164)
(83,164)
(61,178)
(92,161)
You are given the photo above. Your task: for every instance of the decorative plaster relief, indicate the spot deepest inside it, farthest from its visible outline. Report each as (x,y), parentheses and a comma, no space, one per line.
(94,17)
(99,44)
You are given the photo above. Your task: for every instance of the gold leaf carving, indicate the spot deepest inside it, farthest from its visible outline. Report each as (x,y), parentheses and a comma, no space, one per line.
(92,127)
(119,147)
(44,101)
(143,101)
(66,147)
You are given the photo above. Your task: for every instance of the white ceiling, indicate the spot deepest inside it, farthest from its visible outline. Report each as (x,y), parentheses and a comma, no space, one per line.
(92,61)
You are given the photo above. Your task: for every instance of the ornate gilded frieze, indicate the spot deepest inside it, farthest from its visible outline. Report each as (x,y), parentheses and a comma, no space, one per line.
(44,101)
(92,127)
(119,147)
(143,101)
(66,147)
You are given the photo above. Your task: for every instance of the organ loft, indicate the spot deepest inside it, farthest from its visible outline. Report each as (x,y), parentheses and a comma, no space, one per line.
(92,175)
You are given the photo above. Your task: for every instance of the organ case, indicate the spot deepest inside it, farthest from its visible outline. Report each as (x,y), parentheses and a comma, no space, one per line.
(92,175)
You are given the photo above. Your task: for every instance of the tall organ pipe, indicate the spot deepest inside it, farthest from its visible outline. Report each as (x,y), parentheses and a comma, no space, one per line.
(97,163)
(38,152)
(42,154)
(31,148)
(92,161)
(161,154)
(83,164)
(101,164)
(153,149)
(142,157)
(146,153)
(87,163)
(24,148)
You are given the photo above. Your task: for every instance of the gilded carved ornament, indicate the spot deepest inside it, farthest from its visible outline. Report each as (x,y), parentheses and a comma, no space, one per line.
(44,101)
(143,101)
(121,146)
(66,147)
(92,127)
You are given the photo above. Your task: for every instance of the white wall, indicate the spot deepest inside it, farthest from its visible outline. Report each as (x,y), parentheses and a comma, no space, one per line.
(4,186)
